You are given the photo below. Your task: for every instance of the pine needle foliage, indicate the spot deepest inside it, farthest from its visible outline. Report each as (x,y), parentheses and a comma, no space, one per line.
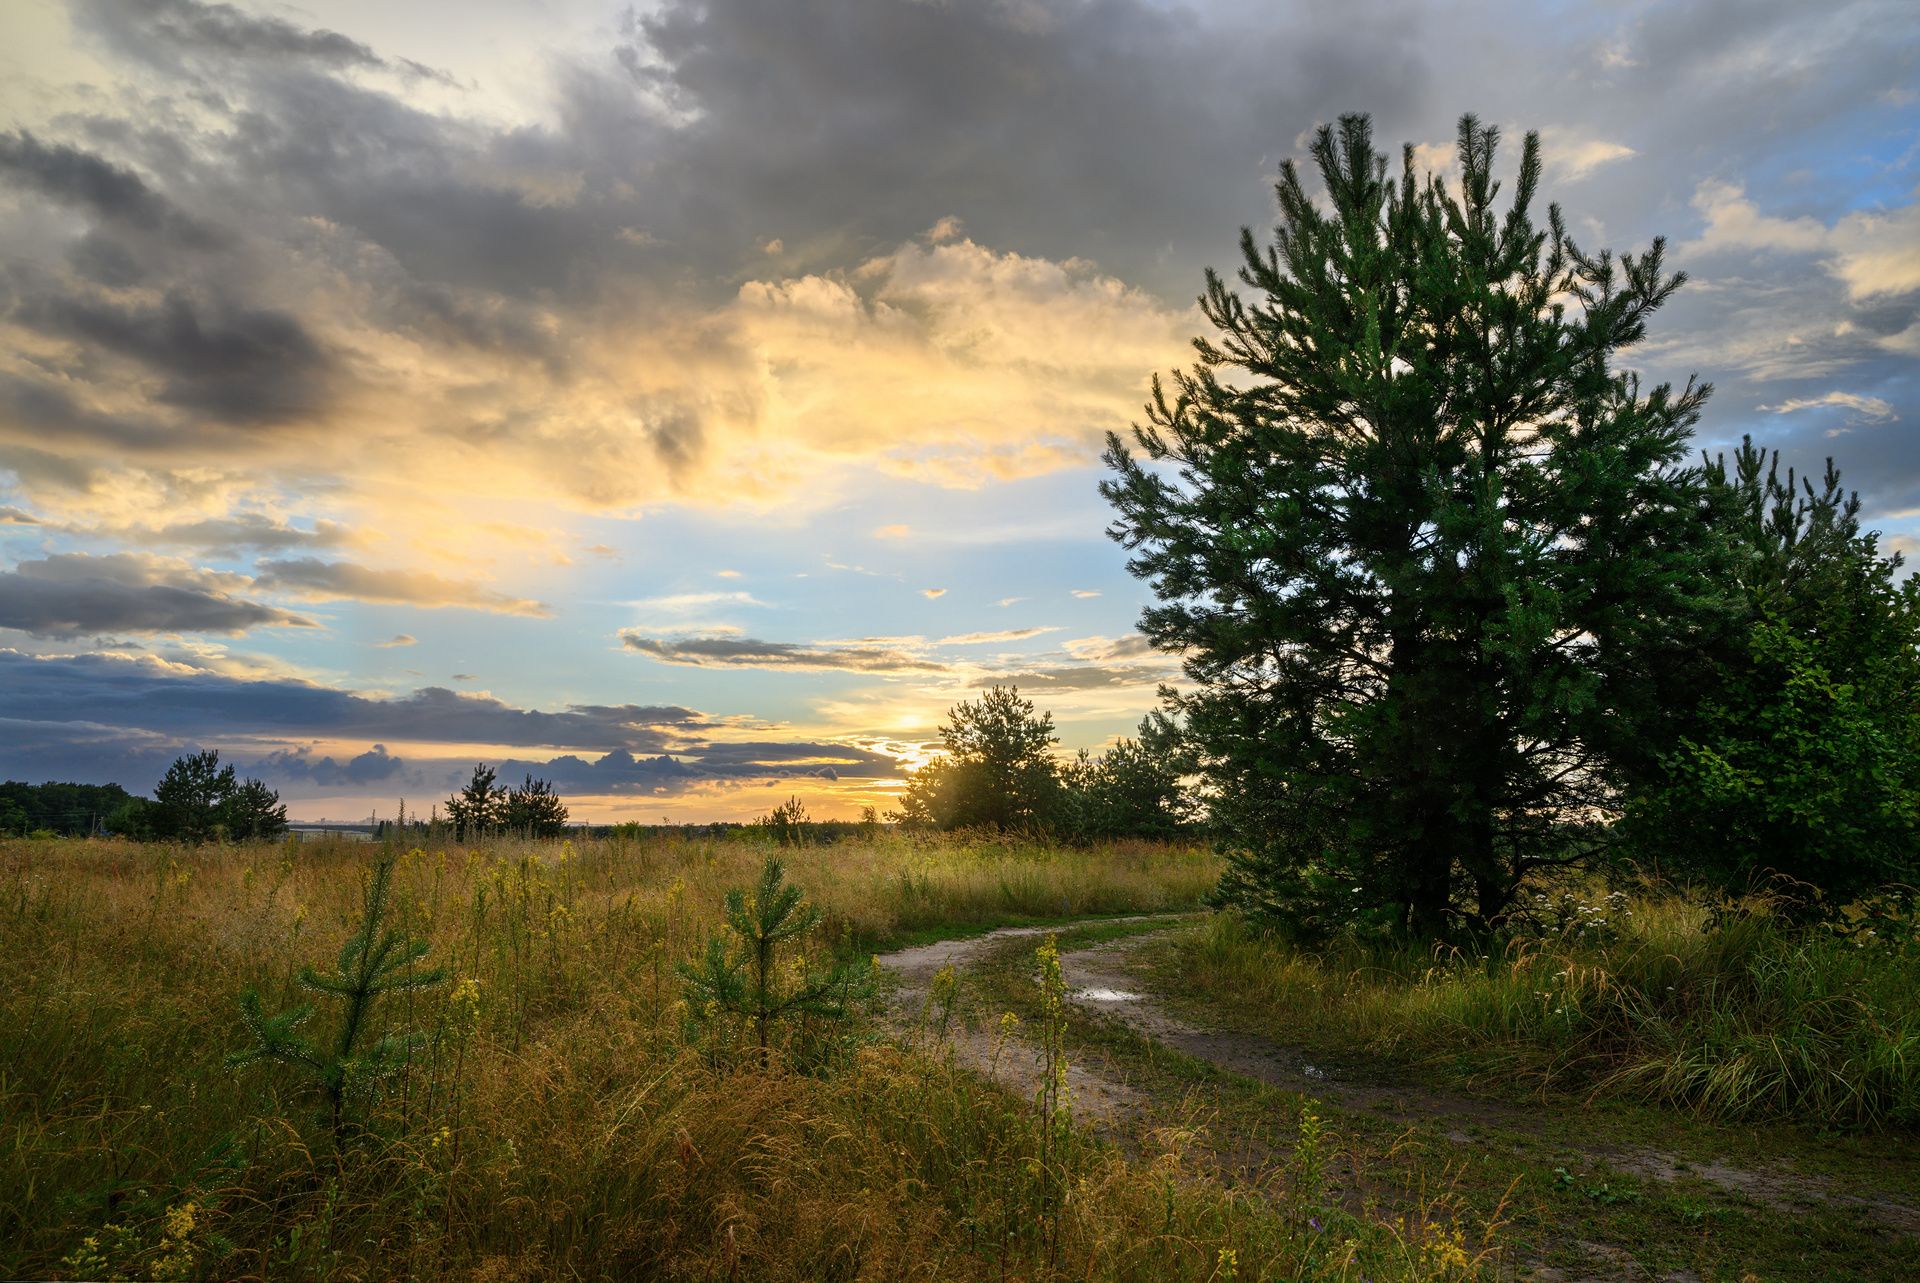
(744,978)
(1414,535)
(376,960)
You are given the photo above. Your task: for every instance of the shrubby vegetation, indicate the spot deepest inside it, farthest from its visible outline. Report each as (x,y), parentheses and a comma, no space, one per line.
(998,771)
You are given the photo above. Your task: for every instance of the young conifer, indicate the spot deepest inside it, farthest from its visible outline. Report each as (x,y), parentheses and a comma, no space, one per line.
(745,979)
(374,962)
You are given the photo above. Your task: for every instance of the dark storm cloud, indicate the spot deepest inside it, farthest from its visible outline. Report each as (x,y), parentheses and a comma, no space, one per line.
(375,766)
(184,27)
(71,595)
(110,192)
(234,363)
(749,652)
(1136,134)
(152,698)
(101,718)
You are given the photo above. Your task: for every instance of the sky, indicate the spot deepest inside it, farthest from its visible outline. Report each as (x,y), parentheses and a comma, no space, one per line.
(690,402)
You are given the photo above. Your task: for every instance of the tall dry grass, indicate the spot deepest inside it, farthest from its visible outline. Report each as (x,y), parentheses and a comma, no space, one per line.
(558,1122)
(1724,1010)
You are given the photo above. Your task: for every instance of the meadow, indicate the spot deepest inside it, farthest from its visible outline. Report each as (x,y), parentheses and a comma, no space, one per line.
(562,1115)
(566,1112)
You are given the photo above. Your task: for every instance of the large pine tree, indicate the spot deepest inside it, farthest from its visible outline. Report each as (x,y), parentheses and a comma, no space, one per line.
(1414,536)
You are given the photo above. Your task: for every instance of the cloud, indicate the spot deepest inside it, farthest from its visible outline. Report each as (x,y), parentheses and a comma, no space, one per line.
(1001,635)
(932,594)
(314,580)
(1873,252)
(213,357)
(189,701)
(399,639)
(223,33)
(1571,157)
(686,602)
(375,766)
(108,717)
(895,531)
(72,594)
(1868,409)
(111,193)
(1086,593)
(749,652)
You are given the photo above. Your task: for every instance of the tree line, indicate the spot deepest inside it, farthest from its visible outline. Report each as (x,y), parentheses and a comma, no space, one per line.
(997,769)
(1456,604)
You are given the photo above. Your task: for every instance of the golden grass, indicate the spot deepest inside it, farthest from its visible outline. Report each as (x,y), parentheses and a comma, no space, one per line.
(558,1122)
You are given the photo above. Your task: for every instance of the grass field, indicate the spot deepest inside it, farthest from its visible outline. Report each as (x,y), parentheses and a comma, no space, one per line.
(559,1119)
(563,1116)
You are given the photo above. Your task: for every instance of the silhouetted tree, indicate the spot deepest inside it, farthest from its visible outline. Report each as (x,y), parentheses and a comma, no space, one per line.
(997,771)
(1410,531)
(1134,789)
(253,812)
(189,799)
(535,810)
(479,808)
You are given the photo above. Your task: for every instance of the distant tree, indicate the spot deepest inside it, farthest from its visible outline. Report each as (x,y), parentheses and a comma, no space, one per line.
(787,822)
(534,810)
(1410,530)
(253,813)
(1797,757)
(479,808)
(61,807)
(1134,789)
(190,799)
(133,818)
(997,770)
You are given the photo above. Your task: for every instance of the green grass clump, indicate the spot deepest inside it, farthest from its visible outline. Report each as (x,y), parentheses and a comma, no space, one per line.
(1657,996)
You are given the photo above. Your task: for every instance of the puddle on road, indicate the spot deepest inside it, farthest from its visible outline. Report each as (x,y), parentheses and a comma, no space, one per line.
(1106,995)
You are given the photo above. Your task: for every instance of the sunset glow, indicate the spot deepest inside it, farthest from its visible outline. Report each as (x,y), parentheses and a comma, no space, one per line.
(690,403)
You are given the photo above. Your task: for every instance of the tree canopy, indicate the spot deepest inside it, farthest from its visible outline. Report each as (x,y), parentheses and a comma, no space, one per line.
(1414,536)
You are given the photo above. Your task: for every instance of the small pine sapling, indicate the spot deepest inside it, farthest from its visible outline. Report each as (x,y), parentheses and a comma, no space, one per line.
(744,979)
(375,961)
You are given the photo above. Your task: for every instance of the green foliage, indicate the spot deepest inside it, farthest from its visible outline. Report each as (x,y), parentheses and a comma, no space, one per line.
(479,808)
(253,813)
(746,978)
(375,961)
(198,799)
(188,798)
(1414,537)
(1134,789)
(1799,756)
(997,770)
(534,810)
(70,809)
